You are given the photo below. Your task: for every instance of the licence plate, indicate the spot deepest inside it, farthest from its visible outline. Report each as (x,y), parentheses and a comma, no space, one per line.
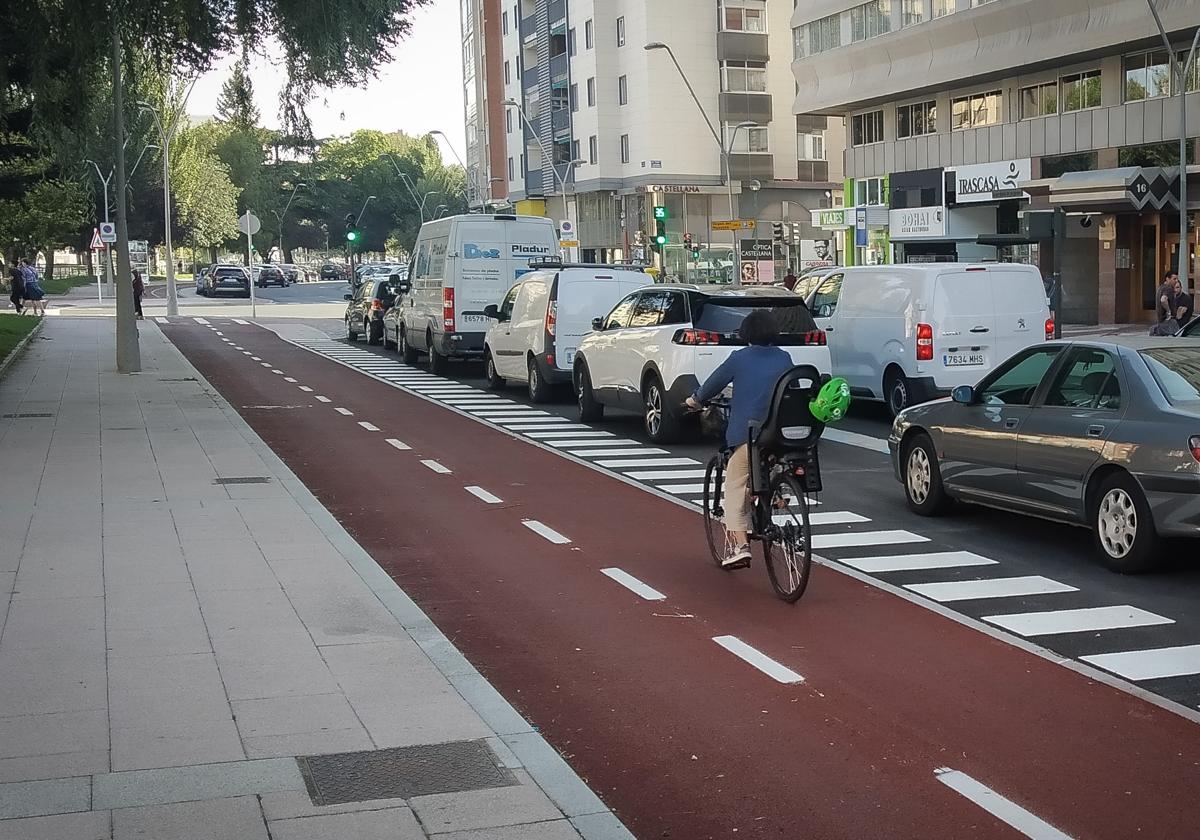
(569,360)
(475,319)
(963,359)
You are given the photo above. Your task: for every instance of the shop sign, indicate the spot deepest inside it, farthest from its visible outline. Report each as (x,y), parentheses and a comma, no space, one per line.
(758,261)
(991,181)
(860,227)
(834,217)
(917,223)
(692,189)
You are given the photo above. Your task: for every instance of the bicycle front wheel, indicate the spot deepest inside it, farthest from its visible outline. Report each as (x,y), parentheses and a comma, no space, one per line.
(714,511)
(787,543)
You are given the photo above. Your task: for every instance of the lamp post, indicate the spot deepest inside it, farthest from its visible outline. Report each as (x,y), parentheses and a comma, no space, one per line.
(1182,65)
(725,147)
(165,136)
(280,216)
(471,186)
(107,257)
(546,158)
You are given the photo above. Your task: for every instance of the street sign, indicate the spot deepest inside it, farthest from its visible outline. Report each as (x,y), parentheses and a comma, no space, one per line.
(249,224)
(736,224)
(97,242)
(568,243)
(566,229)
(108,232)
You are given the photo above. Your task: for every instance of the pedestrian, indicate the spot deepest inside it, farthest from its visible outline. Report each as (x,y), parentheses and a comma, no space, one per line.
(138,289)
(17,293)
(1182,304)
(1166,296)
(789,281)
(33,294)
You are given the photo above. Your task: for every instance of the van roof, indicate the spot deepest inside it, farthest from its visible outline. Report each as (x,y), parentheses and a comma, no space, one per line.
(490,217)
(943,267)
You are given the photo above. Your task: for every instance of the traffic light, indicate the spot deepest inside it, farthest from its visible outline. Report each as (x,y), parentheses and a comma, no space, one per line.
(695,250)
(687,240)
(777,229)
(660,225)
(660,213)
(353,234)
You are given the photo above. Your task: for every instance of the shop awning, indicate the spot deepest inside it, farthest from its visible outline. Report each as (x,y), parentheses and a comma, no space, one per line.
(1124,188)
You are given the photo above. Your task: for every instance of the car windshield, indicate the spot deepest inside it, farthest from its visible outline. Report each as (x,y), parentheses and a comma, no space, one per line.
(719,317)
(1177,371)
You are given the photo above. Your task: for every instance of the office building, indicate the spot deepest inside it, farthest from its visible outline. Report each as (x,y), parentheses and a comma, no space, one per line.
(483,113)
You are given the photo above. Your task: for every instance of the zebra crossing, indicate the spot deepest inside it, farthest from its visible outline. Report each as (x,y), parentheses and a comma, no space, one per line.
(1050,613)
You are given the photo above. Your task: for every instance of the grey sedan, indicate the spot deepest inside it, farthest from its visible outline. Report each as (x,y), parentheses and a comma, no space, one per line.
(1104,434)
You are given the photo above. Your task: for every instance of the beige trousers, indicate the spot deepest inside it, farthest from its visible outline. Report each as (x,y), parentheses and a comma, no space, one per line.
(737,490)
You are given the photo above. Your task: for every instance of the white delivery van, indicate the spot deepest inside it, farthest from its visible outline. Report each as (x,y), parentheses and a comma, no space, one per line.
(459,266)
(907,334)
(538,326)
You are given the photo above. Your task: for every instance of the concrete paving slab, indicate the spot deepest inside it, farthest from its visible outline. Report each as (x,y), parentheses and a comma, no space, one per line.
(385,824)
(220,819)
(290,804)
(197,782)
(54,766)
(552,830)
(91,825)
(52,796)
(294,715)
(491,808)
(42,682)
(52,734)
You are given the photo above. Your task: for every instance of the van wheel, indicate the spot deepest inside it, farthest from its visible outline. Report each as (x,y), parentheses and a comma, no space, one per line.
(438,363)
(897,392)
(590,408)
(661,419)
(406,350)
(539,388)
(1123,526)
(494,380)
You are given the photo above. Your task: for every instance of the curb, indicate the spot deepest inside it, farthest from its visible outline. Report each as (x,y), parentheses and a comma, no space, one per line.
(16,351)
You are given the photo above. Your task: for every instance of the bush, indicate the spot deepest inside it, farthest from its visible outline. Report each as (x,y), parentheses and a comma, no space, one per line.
(13,328)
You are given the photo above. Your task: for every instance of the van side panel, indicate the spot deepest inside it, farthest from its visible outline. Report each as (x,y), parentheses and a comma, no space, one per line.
(874,322)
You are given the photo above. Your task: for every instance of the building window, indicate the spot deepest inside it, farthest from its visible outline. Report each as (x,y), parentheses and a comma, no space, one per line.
(1081,91)
(620,32)
(810,145)
(522,166)
(744,76)
(587,34)
(748,140)
(866,128)
(868,191)
(573,97)
(571,41)
(975,111)
(519,62)
(744,15)
(912,12)
(504,29)
(1148,75)
(593,150)
(941,8)
(623,90)
(511,174)
(624,148)
(916,119)
(507,73)
(870,20)
(817,37)
(508,121)
(591,92)
(1039,100)
(575,150)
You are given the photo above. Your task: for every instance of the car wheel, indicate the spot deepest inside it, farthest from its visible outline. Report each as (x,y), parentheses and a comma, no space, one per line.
(589,407)
(374,331)
(1123,526)
(897,391)
(660,418)
(494,380)
(437,362)
(539,388)
(923,478)
(406,351)
(351,335)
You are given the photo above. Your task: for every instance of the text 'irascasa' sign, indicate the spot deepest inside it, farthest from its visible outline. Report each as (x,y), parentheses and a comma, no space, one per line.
(736,224)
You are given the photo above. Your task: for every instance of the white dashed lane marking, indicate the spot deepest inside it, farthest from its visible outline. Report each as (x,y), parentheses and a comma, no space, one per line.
(240,321)
(545,531)
(289,379)
(323,399)
(399,444)
(436,467)
(1003,809)
(480,493)
(347,412)
(634,585)
(370,427)
(764,663)
(306,389)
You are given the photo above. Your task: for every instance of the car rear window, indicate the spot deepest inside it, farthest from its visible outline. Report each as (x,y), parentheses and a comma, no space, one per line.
(230,272)
(793,317)
(1177,371)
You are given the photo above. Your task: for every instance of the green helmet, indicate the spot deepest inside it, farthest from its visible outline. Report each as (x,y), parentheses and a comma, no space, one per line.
(832,401)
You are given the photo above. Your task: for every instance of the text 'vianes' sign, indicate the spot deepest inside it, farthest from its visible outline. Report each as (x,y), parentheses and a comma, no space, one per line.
(991,181)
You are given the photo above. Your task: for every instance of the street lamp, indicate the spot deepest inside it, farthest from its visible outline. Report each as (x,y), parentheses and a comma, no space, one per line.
(466,171)
(725,147)
(280,216)
(107,260)
(370,198)
(1182,67)
(546,157)
(441,208)
(165,136)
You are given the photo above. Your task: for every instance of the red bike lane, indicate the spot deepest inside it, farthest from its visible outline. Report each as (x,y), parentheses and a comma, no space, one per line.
(681,737)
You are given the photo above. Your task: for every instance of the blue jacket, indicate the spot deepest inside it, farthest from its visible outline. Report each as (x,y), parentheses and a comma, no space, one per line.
(754,372)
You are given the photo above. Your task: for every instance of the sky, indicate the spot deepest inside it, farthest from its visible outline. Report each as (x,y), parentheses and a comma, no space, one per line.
(418,90)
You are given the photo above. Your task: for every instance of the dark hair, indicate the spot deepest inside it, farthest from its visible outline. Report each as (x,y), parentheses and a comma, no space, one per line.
(1170,273)
(759,327)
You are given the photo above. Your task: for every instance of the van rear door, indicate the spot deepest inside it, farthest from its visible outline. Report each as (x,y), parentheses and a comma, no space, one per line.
(483,274)
(579,299)
(1019,300)
(963,322)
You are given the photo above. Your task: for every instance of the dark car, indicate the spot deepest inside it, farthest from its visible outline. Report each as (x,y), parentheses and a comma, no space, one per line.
(227,280)
(293,273)
(368,304)
(271,275)
(1103,434)
(333,271)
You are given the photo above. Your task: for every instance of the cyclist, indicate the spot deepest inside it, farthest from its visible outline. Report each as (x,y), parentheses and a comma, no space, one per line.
(753,371)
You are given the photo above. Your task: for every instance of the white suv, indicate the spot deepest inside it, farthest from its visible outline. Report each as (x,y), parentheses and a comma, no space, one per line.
(661,342)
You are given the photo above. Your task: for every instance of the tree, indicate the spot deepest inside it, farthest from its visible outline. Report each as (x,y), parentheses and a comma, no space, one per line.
(236,103)
(50,215)
(205,197)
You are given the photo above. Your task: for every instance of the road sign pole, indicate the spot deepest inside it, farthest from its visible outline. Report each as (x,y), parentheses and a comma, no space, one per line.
(250,271)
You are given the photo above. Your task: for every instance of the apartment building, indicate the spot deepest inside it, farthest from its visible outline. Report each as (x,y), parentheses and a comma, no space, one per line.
(963,114)
(483,93)
(606,130)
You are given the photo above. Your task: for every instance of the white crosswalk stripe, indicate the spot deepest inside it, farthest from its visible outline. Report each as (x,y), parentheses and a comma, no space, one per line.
(1011,587)
(1083,620)
(1152,664)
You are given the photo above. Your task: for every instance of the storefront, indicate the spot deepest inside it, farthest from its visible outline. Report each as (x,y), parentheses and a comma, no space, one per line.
(860,234)
(927,224)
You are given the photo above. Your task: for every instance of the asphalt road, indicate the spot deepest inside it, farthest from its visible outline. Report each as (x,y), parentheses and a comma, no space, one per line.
(693,701)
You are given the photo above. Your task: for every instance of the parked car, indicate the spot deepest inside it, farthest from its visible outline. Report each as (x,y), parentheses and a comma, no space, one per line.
(537,328)
(334,271)
(660,343)
(1103,434)
(1191,328)
(293,273)
(365,311)
(910,333)
(201,288)
(226,280)
(461,264)
(270,275)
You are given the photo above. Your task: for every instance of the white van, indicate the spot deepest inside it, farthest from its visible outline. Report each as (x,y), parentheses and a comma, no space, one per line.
(907,334)
(460,265)
(537,327)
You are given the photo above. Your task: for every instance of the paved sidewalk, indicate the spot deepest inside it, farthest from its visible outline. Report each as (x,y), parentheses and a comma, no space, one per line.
(182,623)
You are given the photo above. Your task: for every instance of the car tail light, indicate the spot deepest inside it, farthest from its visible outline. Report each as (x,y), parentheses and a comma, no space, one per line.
(448,309)
(550,359)
(551,317)
(1194,445)
(1049,329)
(815,337)
(695,337)
(924,343)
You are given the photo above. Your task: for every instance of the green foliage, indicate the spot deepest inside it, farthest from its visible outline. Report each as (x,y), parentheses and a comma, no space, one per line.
(236,103)
(205,198)
(49,214)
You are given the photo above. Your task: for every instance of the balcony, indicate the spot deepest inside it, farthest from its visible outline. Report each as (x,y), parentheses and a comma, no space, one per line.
(560,121)
(742,46)
(530,78)
(743,107)
(560,66)
(557,11)
(528,27)
(533,183)
(812,170)
(749,166)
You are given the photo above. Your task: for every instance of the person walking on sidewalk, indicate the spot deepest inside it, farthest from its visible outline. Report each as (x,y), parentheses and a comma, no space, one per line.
(17,293)
(34,295)
(139,289)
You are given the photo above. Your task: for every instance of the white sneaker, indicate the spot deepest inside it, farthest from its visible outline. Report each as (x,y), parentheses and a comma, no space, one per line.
(737,558)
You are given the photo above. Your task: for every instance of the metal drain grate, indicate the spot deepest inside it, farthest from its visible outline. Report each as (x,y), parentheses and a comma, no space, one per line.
(249,479)
(27,416)
(402,772)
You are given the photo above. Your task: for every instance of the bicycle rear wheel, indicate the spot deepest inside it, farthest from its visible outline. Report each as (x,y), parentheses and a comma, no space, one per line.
(714,511)
(787,542)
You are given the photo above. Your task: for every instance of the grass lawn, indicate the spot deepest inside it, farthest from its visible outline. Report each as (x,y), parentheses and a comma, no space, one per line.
(13,328)
(61,285)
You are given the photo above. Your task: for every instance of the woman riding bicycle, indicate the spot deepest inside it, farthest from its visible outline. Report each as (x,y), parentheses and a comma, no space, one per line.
(754,372)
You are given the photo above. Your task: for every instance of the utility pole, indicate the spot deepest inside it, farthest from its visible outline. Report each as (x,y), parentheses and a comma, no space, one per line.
(129,356)
(107,248)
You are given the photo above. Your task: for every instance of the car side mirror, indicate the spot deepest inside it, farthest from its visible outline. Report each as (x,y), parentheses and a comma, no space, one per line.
(347,297)
(824,311)
(492,311)
(403,287)
(963,394)
(598,324)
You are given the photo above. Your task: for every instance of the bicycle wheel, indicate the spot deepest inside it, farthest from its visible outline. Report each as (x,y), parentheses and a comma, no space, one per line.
(714,512)
(787,544)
